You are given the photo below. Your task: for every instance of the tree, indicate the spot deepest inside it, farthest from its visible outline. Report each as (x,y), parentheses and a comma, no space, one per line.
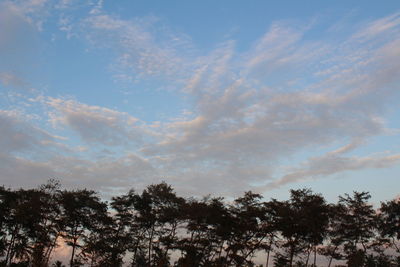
(107,245)
(29,223)
(6,199)
(357,224)
(298,224)
(247,236)
(20,224)
(196,245)
(315,219)
(157,217)
(48,226)
(209,231)
(157,223)
(82,212)
(269,228)
(389,225)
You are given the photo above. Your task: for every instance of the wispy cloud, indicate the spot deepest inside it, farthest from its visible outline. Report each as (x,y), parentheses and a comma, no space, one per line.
(95,124)
(251,109)
(20,135)
(243,120)
(34,12)
(12,80)
(329,164)
(141,49)
(383,27)
(105,175)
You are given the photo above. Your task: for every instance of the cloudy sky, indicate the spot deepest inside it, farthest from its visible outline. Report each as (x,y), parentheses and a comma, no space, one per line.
(210,96)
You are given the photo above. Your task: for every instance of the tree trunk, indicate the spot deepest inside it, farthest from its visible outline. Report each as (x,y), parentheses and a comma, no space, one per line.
(330,260)
(172,236)
(395,246)
(315,256)
(10,248)
(71,263)
(308,255)
(150,243)
(269,250)
(50,250)
(291,256)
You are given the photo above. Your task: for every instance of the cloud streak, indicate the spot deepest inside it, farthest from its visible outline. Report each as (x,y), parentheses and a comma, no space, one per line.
(141,50)
(250,110)
(330,164)
(96,124)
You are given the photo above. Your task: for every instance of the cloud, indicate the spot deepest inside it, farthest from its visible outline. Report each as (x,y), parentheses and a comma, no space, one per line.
(30,155)
(280,48)
(96,124)
(15,29)
(7,78)
(18,135)
(243,120)
(10,79)
(330,164)
(19,43)
(143,47)
(383,27)
(106,175)
(22,14)
(251,110)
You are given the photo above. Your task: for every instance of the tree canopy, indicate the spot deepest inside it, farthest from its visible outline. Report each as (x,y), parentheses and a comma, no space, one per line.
(159,228)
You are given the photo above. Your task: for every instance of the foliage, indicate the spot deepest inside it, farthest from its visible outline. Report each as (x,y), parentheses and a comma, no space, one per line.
(159,228)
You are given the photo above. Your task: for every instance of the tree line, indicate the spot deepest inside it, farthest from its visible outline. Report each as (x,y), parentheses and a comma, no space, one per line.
(159,228)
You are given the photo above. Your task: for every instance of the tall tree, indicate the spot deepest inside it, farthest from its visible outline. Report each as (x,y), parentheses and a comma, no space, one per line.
(5,215)
(108,244)
(389,224)
(48,226)
(119,235)
(315,219)
(209,231)
(357,224)
(195,245)
(301,222)
(158,215)
(82,212)
(21,223)
(10,227)
(335,237)
(247,237)
(269,229)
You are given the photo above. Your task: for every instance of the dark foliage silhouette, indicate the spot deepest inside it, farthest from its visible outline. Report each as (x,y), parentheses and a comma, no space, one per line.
(159,228)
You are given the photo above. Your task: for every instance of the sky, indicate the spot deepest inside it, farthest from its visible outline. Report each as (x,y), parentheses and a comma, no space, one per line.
(212,97)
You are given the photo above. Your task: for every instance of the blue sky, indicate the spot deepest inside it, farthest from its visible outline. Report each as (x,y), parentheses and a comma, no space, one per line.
(212,97)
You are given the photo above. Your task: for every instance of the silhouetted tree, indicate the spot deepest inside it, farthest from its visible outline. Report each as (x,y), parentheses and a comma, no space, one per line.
(156,224)
(5,215)
(48,225)
(247,235)
(269,228)
(301,222)
(357,224)
(82,213)
(31,227)
(209,229)
(196,245)
(20,224)
(118,236)
(390,222)
(157,219)
(8,232)
(315,219)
